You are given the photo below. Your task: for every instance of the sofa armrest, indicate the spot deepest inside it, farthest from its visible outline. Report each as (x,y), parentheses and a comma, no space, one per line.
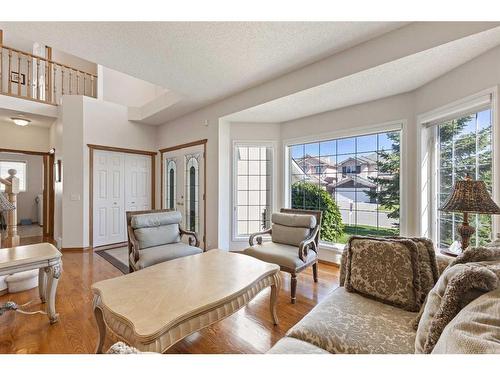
(133,244)
(258,236)
(192,237)
(309,242)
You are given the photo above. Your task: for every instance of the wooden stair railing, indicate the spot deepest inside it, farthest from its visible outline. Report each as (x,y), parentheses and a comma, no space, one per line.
(11,190)
(32,77)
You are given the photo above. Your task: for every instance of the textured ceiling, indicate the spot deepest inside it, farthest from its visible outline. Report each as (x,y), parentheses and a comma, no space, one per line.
(36,120)
(202,61)
(395,77)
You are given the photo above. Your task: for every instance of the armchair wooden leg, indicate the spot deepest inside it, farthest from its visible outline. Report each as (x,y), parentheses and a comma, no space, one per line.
(293,287)
(315,272)
(130,269)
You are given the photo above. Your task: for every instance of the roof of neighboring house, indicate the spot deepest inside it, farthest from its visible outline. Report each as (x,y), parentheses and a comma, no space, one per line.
(358,181)
(314,160)
(362,159)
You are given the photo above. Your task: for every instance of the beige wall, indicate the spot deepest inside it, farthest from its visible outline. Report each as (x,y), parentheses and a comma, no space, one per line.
(29,138)
(26,205)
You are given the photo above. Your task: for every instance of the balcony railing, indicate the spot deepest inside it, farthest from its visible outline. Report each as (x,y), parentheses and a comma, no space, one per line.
(32,77)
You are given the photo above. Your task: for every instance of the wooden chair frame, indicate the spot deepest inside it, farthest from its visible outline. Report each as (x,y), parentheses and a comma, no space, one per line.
(310,243)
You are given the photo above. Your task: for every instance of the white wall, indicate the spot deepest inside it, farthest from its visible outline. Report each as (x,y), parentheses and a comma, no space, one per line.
(91,121)
(26,205)
(120,88)
(29,138)
(56,142)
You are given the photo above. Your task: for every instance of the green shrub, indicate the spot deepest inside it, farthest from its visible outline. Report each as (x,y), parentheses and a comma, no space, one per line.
(306,195)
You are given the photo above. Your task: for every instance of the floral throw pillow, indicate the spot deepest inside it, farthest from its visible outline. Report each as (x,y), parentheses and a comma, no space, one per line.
(385,269)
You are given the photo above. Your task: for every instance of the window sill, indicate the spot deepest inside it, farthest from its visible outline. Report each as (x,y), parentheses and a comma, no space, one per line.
(337,248)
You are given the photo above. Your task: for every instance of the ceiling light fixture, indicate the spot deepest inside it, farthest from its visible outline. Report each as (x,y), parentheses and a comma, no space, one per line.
(20,121)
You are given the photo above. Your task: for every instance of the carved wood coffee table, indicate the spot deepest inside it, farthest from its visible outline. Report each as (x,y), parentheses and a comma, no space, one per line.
(42,256)
(156,307)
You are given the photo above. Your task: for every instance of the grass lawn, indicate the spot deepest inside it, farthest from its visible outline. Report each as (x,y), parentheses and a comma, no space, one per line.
(366,230)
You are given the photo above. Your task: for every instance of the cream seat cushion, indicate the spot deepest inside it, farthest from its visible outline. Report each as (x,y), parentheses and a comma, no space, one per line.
(349,323)
(475,330)
(163,253)
(289,345)
(283,255)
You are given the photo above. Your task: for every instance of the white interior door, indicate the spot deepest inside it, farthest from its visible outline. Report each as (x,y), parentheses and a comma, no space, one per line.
(108,198)
(137,182)
(183,187)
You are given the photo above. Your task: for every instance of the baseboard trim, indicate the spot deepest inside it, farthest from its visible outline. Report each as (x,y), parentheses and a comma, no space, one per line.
(76,249)
(110,246)
(329,263)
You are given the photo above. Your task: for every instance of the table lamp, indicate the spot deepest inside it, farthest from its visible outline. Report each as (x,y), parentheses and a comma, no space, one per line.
(469,197)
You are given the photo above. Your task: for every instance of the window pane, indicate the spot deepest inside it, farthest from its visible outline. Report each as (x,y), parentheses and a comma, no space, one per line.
(464,146)
(356,178)
(253,203)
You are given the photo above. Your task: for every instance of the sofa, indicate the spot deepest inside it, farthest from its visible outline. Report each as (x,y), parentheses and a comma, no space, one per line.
(351,323)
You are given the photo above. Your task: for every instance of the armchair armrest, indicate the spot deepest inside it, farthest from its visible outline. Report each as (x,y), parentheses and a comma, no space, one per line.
(193,238)
(309,242)
(258,236)
(133,244)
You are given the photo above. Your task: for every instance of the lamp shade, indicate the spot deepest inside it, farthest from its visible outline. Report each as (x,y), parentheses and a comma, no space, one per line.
(472,197)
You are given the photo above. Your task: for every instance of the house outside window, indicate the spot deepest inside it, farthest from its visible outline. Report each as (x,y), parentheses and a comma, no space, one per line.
(252,189)
(19,166)
(360,176)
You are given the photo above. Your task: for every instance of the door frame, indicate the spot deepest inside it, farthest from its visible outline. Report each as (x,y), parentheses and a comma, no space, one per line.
(48,159)
(162,151)
(92,148)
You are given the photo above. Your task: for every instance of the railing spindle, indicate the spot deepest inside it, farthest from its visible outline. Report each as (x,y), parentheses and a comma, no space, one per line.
(77,83)
(46,80)
(62,80)
(92,86)
(54,99)
(28,77)
(84,84)
(38,78)
(70,91)
(9,73)
(19,81)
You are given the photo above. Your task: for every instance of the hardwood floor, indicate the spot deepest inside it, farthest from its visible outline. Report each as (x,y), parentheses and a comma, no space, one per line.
(250,330)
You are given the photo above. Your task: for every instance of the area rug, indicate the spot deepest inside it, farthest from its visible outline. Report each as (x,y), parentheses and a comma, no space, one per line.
(118,257)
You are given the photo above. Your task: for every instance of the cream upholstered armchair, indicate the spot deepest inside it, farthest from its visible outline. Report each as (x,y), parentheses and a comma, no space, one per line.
(294,243)
(154,237)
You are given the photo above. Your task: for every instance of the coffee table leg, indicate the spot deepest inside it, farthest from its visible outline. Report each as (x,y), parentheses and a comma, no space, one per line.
(54,273)
(275,288)
(42,284)
(101,327)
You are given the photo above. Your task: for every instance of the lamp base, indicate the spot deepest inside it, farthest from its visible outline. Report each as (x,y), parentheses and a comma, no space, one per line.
(466,231)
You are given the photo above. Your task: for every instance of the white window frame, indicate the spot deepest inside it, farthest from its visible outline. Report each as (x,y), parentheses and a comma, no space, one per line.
(427,124)
(234,218)
(396,125)
(25,179)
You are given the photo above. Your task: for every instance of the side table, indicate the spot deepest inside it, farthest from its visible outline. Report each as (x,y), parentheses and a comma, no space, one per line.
(44,257)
